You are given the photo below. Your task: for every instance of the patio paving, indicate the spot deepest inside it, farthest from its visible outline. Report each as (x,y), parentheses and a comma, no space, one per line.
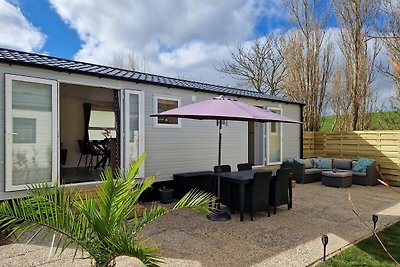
(289,238)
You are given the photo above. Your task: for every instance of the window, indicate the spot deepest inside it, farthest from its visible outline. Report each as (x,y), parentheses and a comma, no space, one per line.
(101,124)
(273,128)
(274,140)
(162,104)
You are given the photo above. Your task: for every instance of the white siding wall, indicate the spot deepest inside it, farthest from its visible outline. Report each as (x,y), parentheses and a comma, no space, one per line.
(291,132)
(170,150)
(192,147)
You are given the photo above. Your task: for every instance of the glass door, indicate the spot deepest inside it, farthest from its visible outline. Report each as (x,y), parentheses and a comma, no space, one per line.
(274,140)
(133,128)
(31,128)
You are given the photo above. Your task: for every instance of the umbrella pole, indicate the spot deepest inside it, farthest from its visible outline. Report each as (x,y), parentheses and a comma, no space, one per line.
(219,164)
(218,214)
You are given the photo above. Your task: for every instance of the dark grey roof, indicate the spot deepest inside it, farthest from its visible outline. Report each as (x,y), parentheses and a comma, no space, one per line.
(24,58)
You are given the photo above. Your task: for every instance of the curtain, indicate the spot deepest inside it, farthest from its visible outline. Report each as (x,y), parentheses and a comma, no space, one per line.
(87,107)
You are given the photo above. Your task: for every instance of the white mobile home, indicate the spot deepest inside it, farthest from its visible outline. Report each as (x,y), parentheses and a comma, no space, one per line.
(56,110)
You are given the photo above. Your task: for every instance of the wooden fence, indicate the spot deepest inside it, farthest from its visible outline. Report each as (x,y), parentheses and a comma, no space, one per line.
(383,146)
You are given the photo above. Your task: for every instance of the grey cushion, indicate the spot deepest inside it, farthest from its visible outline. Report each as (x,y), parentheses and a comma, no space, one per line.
(308,163)
(337,174)
(343,164)
(360,173)
(311,171)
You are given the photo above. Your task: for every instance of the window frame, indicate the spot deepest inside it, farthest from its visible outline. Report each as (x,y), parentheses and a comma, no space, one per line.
(156,124)
(125,120)
(8,144)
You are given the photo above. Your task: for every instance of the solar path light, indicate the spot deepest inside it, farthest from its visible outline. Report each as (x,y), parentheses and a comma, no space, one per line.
(324,239)
(375,220)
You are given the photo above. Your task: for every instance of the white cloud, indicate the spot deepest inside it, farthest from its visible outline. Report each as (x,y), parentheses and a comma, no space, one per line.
(191,54)
(177,37)
(16,31)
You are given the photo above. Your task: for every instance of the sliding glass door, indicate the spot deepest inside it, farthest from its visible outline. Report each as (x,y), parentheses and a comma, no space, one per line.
(31,128)
(274,140)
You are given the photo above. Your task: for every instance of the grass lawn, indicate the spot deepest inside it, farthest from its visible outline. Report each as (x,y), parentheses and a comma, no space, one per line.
(369,252)
(376,123)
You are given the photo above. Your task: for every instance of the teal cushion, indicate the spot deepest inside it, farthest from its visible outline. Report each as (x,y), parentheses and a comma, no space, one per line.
(325,164)
(298,160)
(362,164)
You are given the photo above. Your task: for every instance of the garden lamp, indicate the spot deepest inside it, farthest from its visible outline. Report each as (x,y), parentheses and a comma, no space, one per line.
(375,220)
(324,240)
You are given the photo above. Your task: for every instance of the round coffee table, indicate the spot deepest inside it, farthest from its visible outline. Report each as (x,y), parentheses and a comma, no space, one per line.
(338,178)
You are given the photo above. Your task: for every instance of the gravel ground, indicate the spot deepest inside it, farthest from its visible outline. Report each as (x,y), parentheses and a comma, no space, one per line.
(3,239)
(289,238)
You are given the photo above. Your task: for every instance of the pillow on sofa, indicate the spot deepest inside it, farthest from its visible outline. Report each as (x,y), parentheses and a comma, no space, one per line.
(353,163)
(362,164)
(308,164)
(343,164)
(325,164)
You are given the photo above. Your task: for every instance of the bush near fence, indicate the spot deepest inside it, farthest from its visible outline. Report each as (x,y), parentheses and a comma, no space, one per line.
(383,146)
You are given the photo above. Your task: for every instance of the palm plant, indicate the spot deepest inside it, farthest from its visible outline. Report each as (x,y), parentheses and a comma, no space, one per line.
(99,226)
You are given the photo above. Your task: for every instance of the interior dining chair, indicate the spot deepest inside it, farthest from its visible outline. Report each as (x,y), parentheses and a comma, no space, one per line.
(280,188)
(245,166)
(97,150)
(85,150)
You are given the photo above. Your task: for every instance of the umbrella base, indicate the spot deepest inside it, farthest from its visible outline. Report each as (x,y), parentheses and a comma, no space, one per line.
(219,216)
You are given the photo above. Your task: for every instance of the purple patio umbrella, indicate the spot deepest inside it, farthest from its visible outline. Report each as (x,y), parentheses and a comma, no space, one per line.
(220,109)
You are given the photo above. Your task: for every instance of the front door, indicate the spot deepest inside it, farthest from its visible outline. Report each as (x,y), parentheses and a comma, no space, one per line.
(132,139)
(31,128)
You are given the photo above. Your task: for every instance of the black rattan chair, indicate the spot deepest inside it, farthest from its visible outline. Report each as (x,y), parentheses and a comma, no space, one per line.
(244,166)
(280,188)
(224,168)
(259,197)
(225,187)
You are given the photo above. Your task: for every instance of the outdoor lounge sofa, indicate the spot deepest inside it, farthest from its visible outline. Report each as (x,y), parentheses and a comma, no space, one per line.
(307,172)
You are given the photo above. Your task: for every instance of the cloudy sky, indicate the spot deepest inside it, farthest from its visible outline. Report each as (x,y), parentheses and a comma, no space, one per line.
(179,38)
(185,38)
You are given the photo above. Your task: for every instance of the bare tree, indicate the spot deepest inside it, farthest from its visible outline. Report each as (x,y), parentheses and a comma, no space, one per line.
(129,60)
(308,58)
(258,66)
(390,36)
(356,19)
(338,97)
(396,74)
